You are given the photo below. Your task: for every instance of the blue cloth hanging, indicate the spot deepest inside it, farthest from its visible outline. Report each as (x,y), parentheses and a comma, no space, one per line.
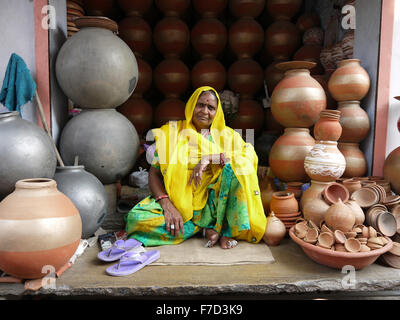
(18,84)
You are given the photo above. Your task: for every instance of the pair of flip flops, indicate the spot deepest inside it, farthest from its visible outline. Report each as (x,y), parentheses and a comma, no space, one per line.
(131,255)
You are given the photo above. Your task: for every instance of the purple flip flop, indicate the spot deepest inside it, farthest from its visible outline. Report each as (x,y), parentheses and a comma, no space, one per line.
(118,250)
(132,262)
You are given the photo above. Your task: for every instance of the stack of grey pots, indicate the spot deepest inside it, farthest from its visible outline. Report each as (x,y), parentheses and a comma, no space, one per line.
(98,72)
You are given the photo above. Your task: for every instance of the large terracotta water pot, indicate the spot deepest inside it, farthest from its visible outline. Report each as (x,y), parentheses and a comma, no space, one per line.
(98,7)
(391,170)
(95,68)
(250,115)
(139,112)
(39,227)
(134,7)
(307,21)
(169,110)
(298,99)
(245,76)
(356,162)
(246,37)
(145,78)
(209,37)
(171,36)
(172,77)
(283,9)
(325,162)
(246,8)
(210,8)
(137,34)
(209,72)
(288,153)
(350,81)
(87,194)
(354,121)
(105,141)
(313,192)
(282,39)
(173,8)
(27,152)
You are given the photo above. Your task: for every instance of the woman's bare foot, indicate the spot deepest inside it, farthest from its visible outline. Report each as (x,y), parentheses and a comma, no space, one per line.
(212,237)
(227,243)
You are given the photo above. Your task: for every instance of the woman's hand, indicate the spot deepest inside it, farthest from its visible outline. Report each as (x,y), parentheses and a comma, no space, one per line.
(197,174)
(173,218)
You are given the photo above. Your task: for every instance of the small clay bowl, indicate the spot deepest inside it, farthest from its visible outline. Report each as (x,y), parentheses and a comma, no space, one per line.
(352,245)
(387,224)
(335,191)
(340,237)
(365,197)
(365,248)
(325,228)
(372,232)
(326,239)
(312,235)
(350,234)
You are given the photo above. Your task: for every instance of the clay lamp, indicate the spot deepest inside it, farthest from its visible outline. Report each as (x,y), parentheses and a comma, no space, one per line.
(326,240)
(335,192)
(340,237)
(352,245)
(311,236)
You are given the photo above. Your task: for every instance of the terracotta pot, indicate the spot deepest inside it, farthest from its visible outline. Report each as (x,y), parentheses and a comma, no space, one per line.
(298,99)
(171,37)
(137,34)
(354,121)
(327,128)
(135,7)
(310,52)
(173,8)
(283,10)
(313,192)
(172,77)
(325,162)
(391,170)
(209,72)
(296,189)
(352,185)
(98,7)
(246,8)
(246,37)
(54,225)
(273,76)
(314,36)
(139,112)
(340,217)
(275,231)
(284,203)
(357,211)
(349,82)
(307,21)
(209,37)
(288,153)
(145,78)
(167,110)
(356,163)
(315,210)
(210,8)
(282,39)
(245,76)
(249,116)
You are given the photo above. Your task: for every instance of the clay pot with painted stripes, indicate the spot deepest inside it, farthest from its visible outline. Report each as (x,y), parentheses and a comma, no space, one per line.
(209,72)
(246,37)
(137,34)
(350,81)
(287,155)
(39,227)
(210,8)
(298,99)
(283,10)
(356,162)
(354,121)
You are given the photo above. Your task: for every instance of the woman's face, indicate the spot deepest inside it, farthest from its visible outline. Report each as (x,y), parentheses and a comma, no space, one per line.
(205,111)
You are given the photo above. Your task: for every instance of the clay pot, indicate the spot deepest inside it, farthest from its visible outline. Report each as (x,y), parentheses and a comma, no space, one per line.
(288,153)
(168,110)
(313,192)
(354,121)
(173,8)
(314,36)
(98,8)
(171,37)
(315,210)
(250,115)
(30,152)
(139,112)
(356,163)
(298,99)
(352,185)
(391,170)
(325,162)
(54,226)
(172,77)
(284,203)
(246,37)
(135,7)
(105,141)
(209,37)
(335,192)
(357,211)
(137,34)
(210,9)
(282,39)
(275,231)
(246,8)
(209,72)
(327,128)
(296,189)
(283,10)
(95,68)
(145,78)
(340,217)
(310,52)
(273,76)
(349,82)
(245,76)
(307,21)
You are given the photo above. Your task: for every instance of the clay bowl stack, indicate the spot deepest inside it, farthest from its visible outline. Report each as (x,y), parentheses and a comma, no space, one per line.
(392,201)
(367,197)
(286,208)
(333,248)
(74,10)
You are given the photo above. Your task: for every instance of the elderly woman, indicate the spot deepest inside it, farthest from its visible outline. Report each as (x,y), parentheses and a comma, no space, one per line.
(203,177)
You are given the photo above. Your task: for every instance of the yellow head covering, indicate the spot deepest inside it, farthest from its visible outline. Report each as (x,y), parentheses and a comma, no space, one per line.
(180,147)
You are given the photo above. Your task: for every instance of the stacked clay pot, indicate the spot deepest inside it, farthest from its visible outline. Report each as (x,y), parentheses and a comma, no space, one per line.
(74,9)
(171,76)
(285,207)
(245,75)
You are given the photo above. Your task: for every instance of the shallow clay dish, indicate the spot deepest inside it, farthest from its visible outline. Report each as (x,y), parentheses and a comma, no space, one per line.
(340,237)
(337,259)
(335,191)
(387,224)
(365,197)
(352,245)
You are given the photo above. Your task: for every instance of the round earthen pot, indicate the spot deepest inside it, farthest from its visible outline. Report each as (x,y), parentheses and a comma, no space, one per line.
(283,10)
(284,203)
(168,110)
(391,170)
(315,210)
(352,185)
(327,128)
(246,37)
(137,34)
(250,115)
(307,21)
(340,217)
(171,77)
(209,72)
(273,76)
(210,8)
(298,99)
(98,7)
(145,78)
(275,231)
(173,8)
(313,192)
(357,211)
(54,226)
(288,153)
(139,112)
(134,7)
(354,121)
(209,37)
(246,8)
(350,81)
(171,37)
(356,163)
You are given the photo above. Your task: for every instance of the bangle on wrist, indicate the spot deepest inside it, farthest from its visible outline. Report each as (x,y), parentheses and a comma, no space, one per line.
(164,196)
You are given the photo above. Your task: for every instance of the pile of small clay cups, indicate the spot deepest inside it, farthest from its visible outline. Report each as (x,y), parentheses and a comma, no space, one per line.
(360,239)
